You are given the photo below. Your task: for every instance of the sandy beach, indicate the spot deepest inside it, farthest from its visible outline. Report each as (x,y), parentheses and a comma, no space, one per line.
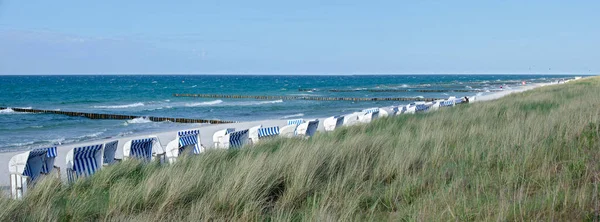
(206,132)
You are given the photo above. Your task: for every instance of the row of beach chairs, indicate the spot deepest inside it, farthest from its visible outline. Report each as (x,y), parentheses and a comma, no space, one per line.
(26,168)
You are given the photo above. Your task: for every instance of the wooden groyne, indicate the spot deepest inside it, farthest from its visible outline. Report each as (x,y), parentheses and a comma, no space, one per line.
(397,90)
(117,116)
(304,97)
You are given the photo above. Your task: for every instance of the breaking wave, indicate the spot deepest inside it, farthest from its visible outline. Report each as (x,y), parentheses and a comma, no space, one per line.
(120,106)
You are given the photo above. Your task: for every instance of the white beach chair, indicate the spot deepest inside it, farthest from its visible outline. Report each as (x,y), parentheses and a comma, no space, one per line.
(110,149)
(333,122)
(218,137)
(235,139)
(187,141)
(410,109)
(307,129)
(421,108)
(144,149)
(446,103)
(352,119)
(387,111)
(253,133)
(369,115)
(26,168)
(288,131)
(84,161)
(266,132)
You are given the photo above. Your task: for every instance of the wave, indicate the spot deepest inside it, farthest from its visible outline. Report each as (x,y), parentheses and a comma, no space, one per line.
(120,106)
(269,102)
(11,111)
(159,108)
(7,111)
(294,115)
(138,120)
(92,135)
(204,103)
(20,144)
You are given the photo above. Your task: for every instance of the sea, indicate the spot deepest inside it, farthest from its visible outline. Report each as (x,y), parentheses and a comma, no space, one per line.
(152,95)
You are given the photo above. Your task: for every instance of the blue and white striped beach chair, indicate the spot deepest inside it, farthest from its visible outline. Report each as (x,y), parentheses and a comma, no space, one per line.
(110,149)
(187,141)
(48,165)
(219,137)
(421,108)
(25,169)
(446,103)
(237,139)
(295,121)
(84,161)
(139,149)
(371,110)
(268,132)
(458,101)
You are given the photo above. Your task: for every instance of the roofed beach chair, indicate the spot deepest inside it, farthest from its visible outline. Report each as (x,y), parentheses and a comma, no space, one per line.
(333,122)
(218,137)
(26,168)
(288,131)
(187,141)
(295,121)
(110,149)
(141,149)
(421,108)
(369,115)
(410,109)
(236,139)
(352,119)
(388,111)
(307,129)
(84,161)
(446,103)
(266,132)
(458,101)
(253,133)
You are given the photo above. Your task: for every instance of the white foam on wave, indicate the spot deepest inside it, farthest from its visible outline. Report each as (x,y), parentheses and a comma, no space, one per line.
(92,135)
(269,102)
(20,144)
(294,115)
(420,97)
(138,120)
(204,103)
(7,111)
(120,106)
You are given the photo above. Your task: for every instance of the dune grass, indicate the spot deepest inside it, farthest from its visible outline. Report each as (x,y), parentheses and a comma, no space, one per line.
(528,156)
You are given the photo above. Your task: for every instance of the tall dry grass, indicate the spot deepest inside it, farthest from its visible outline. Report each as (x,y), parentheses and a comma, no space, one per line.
(528,156)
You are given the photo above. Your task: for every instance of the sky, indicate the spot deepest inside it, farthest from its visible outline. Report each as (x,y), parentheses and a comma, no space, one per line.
(300,37)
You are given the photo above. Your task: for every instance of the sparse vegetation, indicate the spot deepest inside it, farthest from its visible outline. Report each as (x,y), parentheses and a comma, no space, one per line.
(528,156)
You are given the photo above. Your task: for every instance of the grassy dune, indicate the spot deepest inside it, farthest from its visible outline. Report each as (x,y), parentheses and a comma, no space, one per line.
(528,156)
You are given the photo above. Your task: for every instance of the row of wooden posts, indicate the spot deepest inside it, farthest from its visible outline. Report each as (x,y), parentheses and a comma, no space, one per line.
(320,98)
(398,90)
(187,120)
(118,116)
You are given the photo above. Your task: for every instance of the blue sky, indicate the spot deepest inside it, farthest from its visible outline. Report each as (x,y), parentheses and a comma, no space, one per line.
(302,37)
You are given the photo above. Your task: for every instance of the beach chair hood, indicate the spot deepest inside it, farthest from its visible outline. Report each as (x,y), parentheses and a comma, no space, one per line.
(85,160)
